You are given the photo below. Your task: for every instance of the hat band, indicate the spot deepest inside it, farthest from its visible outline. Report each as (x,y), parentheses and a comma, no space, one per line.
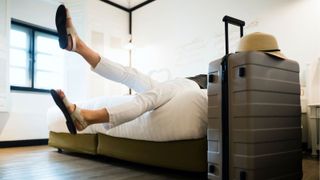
(269,50)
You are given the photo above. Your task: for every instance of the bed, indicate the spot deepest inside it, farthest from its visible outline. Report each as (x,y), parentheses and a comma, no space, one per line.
(160,138)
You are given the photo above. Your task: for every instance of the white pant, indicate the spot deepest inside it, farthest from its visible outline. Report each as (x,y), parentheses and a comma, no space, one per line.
(152,94)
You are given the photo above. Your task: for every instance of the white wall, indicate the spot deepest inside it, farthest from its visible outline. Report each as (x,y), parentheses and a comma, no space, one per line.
(105,29)
(4,53)
(182,36)
(113,25)
(26,118)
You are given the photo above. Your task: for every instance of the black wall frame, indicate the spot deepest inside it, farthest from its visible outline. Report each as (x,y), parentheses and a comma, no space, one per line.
(129,10)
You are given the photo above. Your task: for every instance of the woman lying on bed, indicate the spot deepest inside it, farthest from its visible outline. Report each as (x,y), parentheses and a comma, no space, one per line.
(151,94)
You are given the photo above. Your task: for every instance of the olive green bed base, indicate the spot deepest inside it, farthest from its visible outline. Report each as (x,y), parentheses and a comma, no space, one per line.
(186,155)
(81,143)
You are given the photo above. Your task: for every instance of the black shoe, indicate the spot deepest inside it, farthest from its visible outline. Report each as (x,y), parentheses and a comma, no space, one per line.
(69,122)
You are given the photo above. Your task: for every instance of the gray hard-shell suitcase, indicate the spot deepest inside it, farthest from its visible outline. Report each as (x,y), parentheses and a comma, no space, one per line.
(254,129)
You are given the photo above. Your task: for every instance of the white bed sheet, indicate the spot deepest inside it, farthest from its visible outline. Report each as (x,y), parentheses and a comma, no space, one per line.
(183,117)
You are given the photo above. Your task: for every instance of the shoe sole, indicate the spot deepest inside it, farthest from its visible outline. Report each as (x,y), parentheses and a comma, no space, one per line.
(61,20)
(69,122)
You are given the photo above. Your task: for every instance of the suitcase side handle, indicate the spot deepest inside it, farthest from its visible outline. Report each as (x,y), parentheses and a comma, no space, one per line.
(231,20)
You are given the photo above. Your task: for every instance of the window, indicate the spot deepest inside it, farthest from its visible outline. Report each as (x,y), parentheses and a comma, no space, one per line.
(35,58)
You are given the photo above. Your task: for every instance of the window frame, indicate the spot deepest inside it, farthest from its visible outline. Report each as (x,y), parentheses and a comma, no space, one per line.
(31,70)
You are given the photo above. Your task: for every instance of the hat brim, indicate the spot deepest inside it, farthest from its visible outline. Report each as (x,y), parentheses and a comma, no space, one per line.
(277,54)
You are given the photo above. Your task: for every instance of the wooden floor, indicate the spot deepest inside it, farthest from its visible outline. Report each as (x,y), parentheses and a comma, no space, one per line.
(43,162)
(311,168)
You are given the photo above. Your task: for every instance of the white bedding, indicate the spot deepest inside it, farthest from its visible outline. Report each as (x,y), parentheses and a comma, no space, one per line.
(183,117)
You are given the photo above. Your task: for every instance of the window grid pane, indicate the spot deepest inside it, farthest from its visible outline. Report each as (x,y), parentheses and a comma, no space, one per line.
(18,77)
(19,38)
(46,62)
(48,66)
(19,56)
(46,43)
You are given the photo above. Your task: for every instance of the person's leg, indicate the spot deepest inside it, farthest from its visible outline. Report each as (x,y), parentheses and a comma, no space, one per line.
(89,116)
(108,69)
(77,45)
(141,103)
(119,114)
(88,54)
(130,77)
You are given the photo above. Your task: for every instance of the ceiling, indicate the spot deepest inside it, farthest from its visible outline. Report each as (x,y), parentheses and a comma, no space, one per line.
(128,3)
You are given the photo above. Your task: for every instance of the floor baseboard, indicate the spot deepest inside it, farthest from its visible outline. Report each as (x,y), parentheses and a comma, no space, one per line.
(19,143)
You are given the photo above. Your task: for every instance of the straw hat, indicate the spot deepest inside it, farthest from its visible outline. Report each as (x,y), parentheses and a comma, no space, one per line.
(261,42)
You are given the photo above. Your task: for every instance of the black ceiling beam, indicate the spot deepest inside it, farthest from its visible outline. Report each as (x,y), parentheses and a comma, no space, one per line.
(141,5)
(130,22)
(127,9)
(116,5)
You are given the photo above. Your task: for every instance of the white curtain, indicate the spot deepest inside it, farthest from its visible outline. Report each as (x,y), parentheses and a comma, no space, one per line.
(313,82)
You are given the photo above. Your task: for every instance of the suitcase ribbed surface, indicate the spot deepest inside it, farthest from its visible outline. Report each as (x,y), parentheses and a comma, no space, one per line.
(264,118)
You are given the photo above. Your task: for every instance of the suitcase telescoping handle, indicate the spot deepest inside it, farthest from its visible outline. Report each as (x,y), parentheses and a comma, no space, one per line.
(225,131)
(230,20)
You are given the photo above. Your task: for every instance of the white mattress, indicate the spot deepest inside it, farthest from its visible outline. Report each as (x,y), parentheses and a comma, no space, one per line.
(183,117)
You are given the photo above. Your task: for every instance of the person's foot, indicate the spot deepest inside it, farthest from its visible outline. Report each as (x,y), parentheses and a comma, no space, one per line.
(73,38)
(71,108)
(68,38)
